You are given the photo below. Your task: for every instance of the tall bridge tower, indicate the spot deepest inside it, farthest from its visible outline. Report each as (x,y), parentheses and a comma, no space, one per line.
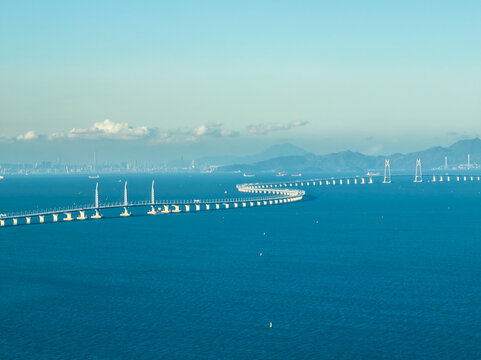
(387,172)
(419,174)
(125,194)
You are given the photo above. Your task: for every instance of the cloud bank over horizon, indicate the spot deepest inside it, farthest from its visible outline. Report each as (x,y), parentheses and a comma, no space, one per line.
(123,131)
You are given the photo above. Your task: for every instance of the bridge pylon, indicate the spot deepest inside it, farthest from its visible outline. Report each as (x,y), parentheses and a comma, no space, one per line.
(387,172)
(419,174)
(152,194)
(126,201)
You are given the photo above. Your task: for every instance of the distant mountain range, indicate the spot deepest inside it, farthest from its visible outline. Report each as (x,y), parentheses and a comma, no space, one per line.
(287,157)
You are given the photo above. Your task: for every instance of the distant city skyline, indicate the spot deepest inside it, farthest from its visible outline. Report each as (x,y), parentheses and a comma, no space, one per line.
(168,79)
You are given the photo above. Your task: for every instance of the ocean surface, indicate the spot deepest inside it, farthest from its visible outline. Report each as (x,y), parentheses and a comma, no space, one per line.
(353,272)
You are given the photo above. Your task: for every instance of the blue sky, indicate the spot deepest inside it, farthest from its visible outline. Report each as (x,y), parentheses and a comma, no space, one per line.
(374,76)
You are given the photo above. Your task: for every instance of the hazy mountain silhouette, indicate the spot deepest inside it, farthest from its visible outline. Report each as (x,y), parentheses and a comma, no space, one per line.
(354,161)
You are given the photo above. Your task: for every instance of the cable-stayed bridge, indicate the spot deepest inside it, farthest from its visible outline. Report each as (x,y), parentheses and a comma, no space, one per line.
(261,194)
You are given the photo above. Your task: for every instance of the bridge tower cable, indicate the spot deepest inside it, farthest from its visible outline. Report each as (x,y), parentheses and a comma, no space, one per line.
(387,172)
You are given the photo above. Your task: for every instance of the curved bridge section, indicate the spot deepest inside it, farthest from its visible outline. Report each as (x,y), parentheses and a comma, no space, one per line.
(262,194)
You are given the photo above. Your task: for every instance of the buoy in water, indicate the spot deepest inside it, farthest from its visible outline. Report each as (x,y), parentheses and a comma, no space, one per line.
(270,325)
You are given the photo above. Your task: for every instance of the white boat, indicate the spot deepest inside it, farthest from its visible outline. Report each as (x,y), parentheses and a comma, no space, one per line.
(248,175)
(1,177)
(93,176)
(298,175)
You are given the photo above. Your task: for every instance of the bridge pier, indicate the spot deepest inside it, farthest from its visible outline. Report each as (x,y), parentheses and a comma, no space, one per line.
(97,215)
(236,205)
(448,178)
(176,209)
(126,212)
(370,180)
(28,220)
(2,222)
(226,205)
(197,207)
(217,206)
(363,181)
(207,206)
(187,208)
(244,204)
(152,211)
(81,215)
(68,217)
(15,221)
(41,219)
(54,217)
(166,209)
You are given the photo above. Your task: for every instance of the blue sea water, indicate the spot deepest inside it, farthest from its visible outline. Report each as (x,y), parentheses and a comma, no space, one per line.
(353,272)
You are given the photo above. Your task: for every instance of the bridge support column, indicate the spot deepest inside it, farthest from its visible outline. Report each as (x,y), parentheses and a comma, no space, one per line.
(370,180)
(166,209)
(152,211)
(197,207)
(28,220)
(363,181)
(265,202)
(97,215)
(244,204)
(81,216)
(41,219)
(434,178)
(2,222)
(333,182)
(126,212)
(347,181)
(226,206)
(207,206)
(187,208)
(15,221)
(448,178)
(217,206)
(464,178)
(441,179)
(54,217)
(457,178)
(68,217)
(340,182)
(258,203)
(176,209)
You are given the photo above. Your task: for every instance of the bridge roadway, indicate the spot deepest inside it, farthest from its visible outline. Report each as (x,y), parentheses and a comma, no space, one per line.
(278,192)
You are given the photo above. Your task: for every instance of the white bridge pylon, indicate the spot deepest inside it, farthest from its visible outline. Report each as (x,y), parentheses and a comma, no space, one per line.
(387,172)
(419,174)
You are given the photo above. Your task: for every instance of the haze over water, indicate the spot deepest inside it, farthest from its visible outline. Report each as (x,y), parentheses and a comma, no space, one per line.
(371,271)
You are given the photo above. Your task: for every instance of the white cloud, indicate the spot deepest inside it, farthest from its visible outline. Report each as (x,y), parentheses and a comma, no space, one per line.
(107,130)
(263,129)
(29,135)
(214,130)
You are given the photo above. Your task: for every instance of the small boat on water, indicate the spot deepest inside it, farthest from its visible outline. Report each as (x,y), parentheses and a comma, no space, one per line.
(1,177)
(281,173)
(93,176)
(248,175)
(298,175)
